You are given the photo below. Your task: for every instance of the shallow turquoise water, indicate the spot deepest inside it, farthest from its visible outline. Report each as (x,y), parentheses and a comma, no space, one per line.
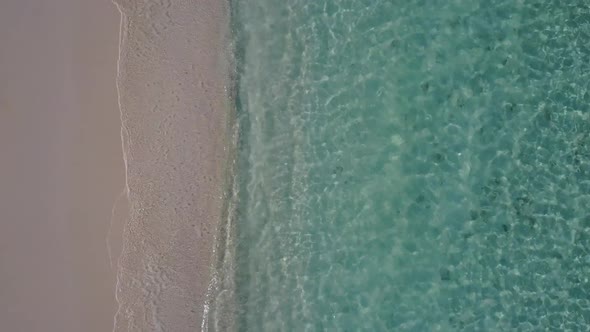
(413,165)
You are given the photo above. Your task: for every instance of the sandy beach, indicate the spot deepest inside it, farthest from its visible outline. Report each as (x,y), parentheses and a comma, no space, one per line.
(62,165)
(113,155)
(174,106)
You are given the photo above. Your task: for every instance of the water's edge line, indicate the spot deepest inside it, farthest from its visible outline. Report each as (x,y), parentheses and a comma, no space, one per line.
(223,251)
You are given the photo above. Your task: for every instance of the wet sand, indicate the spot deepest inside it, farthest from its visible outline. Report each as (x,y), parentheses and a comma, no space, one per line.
(62,166)
(174,109)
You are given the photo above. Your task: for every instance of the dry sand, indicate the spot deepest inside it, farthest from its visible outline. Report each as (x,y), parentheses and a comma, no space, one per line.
(174,107)
(61,164)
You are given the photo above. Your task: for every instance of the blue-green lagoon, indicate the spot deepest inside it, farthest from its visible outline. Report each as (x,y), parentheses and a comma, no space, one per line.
(412,166)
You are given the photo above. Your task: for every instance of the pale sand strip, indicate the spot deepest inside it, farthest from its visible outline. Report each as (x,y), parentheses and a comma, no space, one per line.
(174,111)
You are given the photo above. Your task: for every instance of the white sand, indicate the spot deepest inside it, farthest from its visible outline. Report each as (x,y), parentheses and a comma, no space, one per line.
(61,164)
(172,76)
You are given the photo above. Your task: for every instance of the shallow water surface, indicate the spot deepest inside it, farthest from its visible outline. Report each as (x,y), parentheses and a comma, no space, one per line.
(413,165)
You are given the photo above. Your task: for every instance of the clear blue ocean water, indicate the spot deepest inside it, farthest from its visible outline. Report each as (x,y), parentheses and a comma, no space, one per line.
(413,165)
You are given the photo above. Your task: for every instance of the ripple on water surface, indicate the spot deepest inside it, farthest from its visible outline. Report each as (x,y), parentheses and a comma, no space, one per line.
(415,166)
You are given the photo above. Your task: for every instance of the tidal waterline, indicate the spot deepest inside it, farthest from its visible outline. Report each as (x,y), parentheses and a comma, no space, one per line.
(412,166)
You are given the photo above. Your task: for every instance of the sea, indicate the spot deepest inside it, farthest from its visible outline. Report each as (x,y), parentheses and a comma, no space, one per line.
(416,165)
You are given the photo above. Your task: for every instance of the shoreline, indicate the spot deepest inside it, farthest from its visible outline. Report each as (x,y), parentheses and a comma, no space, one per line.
(175,115)
(221,307)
